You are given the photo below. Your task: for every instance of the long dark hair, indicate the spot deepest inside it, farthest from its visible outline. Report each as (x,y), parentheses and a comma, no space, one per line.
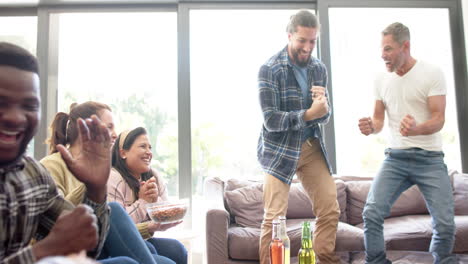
(121,166)
(63,129)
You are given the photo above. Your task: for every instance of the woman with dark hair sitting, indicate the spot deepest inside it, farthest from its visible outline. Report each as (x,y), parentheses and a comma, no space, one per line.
(133,183)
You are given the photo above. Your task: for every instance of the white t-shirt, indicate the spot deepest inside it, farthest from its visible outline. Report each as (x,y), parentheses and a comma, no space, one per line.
(408,94)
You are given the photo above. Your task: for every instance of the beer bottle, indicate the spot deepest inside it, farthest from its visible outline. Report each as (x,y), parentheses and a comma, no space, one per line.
(306,253)
(284,237)
(276,245)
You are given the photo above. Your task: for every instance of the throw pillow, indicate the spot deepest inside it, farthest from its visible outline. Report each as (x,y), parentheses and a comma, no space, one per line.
(246,204)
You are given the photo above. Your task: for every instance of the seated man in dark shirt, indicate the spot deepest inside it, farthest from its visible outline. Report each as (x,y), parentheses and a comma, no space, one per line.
(30,205)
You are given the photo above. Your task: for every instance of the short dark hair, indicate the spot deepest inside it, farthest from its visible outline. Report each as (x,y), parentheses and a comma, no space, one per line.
(18,57)
(302,18)
(399,32)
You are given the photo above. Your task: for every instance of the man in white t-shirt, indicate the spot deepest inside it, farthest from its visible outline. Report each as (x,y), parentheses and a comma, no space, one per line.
(412,94)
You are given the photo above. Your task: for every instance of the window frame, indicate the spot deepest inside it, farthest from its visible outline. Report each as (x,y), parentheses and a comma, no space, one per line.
(459,60)
(47,43)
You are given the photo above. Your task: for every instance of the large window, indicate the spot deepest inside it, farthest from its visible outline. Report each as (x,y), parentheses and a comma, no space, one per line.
(355,56)
(128,61)
(227,49)
(22,31)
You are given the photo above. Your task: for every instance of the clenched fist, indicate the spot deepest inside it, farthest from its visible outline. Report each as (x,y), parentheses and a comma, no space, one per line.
(73,232)
(366,126)
(407,126)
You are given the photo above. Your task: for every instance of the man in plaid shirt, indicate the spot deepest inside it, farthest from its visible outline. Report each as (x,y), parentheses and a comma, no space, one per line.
(30,206)
(294,103)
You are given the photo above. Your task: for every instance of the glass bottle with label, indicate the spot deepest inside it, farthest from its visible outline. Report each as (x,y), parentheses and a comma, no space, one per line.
(306,254)
(276,245)
(284,237)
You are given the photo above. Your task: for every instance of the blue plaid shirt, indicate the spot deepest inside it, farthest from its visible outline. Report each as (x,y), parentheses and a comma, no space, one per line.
(283,131)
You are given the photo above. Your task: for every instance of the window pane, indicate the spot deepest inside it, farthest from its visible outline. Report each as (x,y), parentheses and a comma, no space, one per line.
(21,31)
(227,48)
(356,59)
(128,61)
(226,55)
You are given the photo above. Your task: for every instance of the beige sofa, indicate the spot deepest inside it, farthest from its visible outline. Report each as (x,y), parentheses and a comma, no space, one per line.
(233,222)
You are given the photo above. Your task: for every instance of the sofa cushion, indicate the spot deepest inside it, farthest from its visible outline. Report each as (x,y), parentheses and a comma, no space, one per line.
(231,185)
(356,195)
(342,199)
(244,201)
(410,201)
(349,238)
(300,206)
(460,193)
(400,257)
(414,232)
(461,235)
(246,205)
(244,241)
(408,232)
(405,257)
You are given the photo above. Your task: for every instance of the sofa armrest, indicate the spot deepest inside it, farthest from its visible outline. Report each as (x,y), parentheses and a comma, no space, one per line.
(217,223)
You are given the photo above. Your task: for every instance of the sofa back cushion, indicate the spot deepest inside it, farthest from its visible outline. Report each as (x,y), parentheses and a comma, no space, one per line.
(246,205)
(300,206)
(232,185)
(410,201)
(244,201)
(460,193)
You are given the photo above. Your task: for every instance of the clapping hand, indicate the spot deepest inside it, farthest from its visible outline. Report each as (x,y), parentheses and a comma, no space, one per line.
(149,190)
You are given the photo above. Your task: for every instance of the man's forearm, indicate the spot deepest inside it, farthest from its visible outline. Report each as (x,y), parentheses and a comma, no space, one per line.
(377,125)
(320,120)
(429,127)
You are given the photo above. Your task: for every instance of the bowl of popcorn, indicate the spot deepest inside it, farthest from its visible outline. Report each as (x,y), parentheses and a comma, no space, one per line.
(167,212)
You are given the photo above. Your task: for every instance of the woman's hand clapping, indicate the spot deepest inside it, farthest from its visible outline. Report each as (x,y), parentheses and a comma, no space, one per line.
(149,190)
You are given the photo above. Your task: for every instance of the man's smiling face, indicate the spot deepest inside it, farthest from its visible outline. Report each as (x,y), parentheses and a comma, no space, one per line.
(19,111)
